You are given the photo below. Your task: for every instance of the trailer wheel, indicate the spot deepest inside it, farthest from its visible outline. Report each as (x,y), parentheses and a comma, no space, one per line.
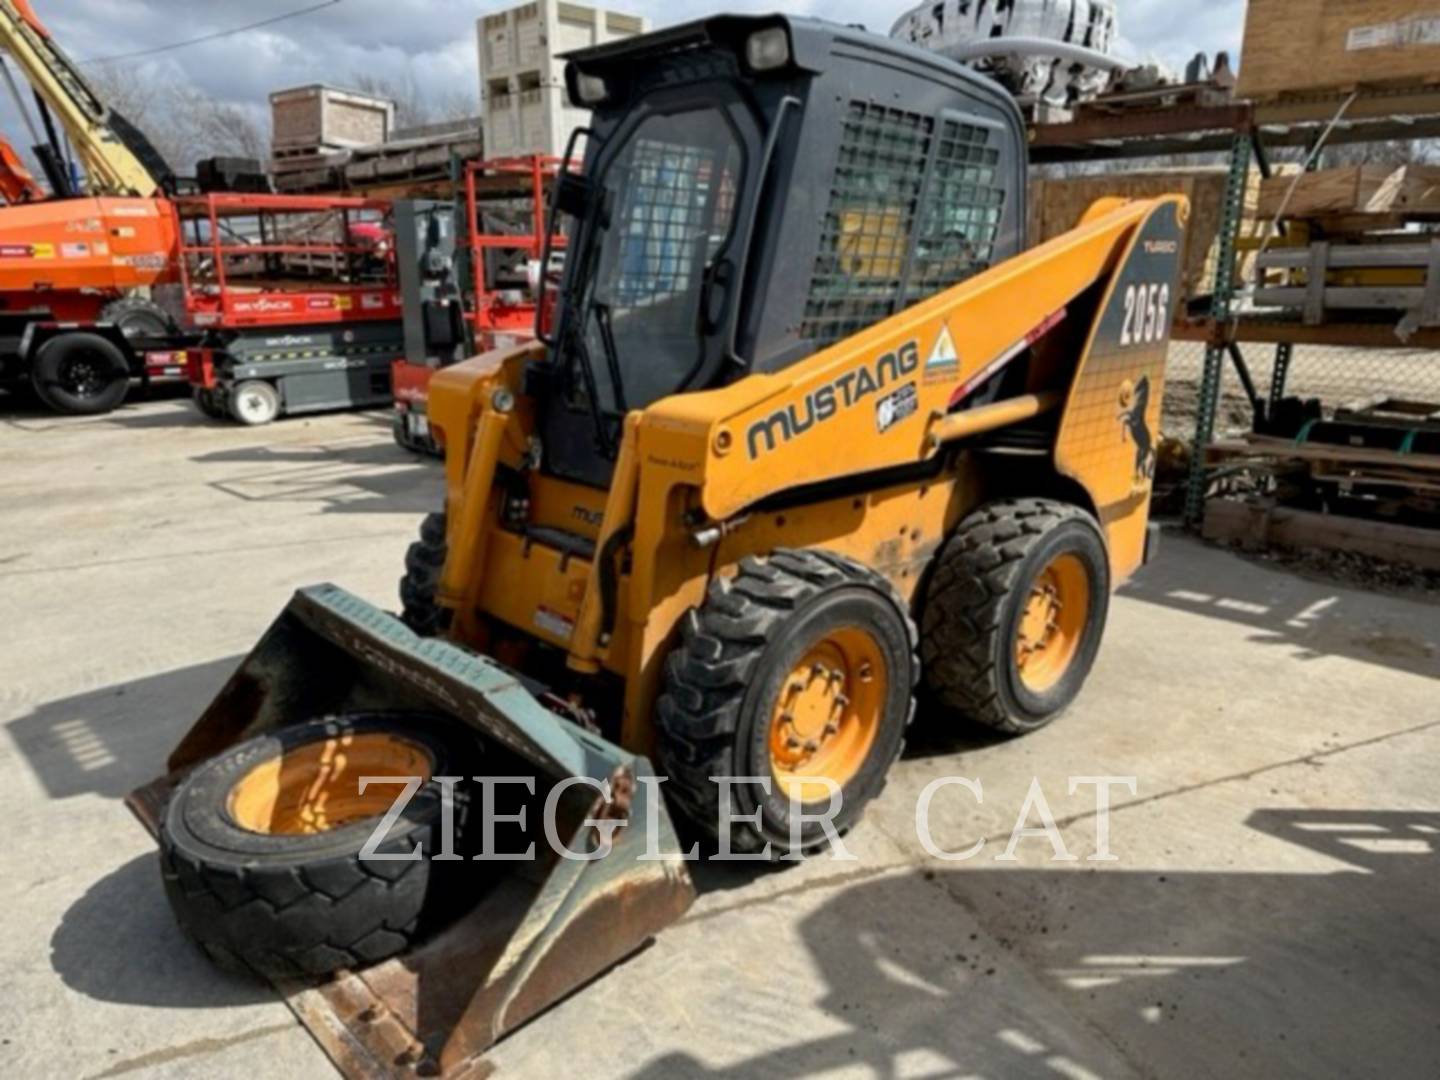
(1014,613)
(261,847)
(255,402)
(81,374)
(206,401)
(137,317)
(800,668)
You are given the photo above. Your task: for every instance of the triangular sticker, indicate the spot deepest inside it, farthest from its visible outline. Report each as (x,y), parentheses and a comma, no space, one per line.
(943,355)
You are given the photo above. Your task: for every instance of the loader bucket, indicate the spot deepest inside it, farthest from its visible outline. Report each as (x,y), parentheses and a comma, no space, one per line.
(540,929)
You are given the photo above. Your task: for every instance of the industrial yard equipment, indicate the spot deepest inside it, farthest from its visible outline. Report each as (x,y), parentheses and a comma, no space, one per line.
(293,302)
(487,301)
(78,262)
(1041,51)
(810,425)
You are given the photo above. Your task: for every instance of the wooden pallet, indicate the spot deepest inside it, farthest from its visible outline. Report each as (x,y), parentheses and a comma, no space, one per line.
(1340,91)
(1206,95)
(1261,524)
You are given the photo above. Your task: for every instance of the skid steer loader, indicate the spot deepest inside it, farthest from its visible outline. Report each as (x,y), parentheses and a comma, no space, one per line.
(807,431)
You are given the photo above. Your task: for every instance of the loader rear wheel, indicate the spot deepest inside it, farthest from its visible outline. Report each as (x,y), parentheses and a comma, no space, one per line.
(423,563)
(1014,613)
(261,848)
(798,670)
(81,375)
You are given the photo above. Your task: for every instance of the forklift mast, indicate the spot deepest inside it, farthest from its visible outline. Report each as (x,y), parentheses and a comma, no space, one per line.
(431,291)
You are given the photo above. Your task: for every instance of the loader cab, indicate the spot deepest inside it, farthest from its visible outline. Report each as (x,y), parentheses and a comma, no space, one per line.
(753,190)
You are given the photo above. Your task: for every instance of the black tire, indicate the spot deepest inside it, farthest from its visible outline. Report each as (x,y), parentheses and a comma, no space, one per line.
(423,563)
(975,600)
(723,680)
(207,403)
(137,317)
(426,446)
(81,374)
(289,906)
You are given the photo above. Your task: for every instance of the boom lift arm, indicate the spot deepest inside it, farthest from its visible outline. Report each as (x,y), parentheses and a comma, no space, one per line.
(117,159)
(17,185)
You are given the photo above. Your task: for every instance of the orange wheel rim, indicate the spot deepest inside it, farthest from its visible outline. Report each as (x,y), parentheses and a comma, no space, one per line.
(1052,624)
(315,788)
(828,715)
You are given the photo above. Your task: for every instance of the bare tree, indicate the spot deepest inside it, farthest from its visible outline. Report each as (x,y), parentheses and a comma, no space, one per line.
(413,107)
(184,123)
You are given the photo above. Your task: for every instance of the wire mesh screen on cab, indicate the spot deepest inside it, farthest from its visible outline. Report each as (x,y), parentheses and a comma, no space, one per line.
(910,214)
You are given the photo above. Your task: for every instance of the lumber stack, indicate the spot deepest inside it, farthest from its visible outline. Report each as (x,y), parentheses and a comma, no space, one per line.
(1361,242)
(1373,468)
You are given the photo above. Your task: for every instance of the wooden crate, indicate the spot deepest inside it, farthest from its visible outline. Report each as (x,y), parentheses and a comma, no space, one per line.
(1356,189)
(324,118)
(1309,46)
(1056,206)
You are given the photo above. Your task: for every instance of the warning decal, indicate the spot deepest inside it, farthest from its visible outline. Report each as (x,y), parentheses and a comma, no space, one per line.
(944,362)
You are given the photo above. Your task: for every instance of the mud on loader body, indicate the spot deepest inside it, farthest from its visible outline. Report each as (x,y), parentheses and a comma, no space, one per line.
(809,425)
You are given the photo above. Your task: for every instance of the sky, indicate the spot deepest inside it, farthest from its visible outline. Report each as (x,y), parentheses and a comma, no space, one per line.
(432,42)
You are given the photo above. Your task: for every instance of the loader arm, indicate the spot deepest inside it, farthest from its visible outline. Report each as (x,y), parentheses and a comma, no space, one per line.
(816,421)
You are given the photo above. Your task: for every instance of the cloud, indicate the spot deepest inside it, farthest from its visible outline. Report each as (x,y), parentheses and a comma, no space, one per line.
(433,42)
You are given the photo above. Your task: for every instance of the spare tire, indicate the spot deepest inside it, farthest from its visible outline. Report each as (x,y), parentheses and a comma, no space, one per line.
(261,847)
(81,374)
(139,318)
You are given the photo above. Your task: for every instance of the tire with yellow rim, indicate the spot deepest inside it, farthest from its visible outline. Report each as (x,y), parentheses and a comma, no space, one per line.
(262,847)
(794,679)
(1014,612)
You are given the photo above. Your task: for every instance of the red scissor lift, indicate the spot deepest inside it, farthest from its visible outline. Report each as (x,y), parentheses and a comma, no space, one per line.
(292,300)
(505,269)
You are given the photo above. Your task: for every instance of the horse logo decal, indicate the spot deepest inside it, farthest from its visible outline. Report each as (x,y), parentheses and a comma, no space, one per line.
(1134,405)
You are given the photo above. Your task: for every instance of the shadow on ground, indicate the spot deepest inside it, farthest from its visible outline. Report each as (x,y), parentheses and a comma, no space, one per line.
(109,741)
(26,411)
(1217,974)
(1313,618)
(353,476)
(120,943)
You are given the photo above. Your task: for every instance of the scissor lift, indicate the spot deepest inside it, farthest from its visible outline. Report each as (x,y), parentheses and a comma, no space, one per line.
(293,301)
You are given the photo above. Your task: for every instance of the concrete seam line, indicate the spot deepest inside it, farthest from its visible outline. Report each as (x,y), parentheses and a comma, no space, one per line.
(190,1049)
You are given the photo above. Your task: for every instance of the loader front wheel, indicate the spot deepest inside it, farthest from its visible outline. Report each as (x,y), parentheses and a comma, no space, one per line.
(794,679)
(1014,613)
(423,563)
(263,849)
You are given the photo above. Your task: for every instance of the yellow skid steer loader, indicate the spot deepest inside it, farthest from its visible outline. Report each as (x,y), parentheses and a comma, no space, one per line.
(806,427)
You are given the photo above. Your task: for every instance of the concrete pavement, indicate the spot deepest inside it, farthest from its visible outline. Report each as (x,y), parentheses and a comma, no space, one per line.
(1272,911)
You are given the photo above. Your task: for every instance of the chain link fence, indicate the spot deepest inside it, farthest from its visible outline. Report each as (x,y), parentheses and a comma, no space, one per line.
(1336,376)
